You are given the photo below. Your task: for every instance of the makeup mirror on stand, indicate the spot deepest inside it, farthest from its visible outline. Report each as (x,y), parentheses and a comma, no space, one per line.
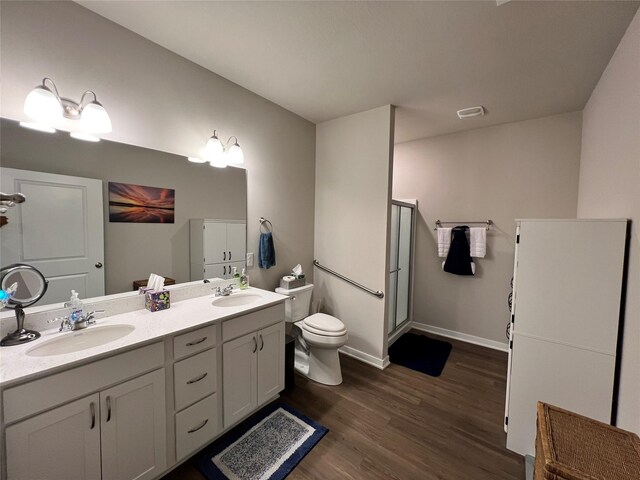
(30,287)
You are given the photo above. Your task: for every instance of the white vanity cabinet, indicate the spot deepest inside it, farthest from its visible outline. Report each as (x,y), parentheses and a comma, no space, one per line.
(216,246)
(63,443)
(118,433)
(253,363)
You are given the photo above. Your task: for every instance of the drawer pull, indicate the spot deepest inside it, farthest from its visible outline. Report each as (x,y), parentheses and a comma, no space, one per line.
(193,430)
(195,380)
(92,407)
(191,344)
(108,408)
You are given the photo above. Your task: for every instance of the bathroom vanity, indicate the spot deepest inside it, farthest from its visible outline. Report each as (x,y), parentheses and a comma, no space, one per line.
(139,392)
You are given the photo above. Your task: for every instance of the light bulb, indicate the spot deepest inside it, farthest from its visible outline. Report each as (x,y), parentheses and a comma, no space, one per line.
(213,150)
(95,119)
(218,162)
(235,155)
(42,104)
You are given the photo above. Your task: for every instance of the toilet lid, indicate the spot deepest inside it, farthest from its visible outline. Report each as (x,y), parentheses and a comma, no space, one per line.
(324,323)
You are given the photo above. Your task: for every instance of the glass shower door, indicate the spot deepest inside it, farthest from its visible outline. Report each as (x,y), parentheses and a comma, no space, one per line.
(400,265)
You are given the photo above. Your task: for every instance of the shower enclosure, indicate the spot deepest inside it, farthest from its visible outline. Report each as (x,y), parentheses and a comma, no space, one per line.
(403,216)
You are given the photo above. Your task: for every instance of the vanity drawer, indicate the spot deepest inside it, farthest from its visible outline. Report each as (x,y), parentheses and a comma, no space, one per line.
(238,326)
(196,426)
(193,342)
(195,378)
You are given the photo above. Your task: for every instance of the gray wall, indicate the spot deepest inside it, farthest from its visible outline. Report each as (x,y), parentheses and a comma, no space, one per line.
(133,250)
(162,101)
(609,187)
(518,170)
(353,195)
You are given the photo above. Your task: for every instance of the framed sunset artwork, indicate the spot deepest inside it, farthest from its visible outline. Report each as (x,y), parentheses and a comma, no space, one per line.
(140,204)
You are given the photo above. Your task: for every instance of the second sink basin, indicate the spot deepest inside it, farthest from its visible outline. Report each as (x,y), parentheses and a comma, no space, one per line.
(80,340)
(236,300)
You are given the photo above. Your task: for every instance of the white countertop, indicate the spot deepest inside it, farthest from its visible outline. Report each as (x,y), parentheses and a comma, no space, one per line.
(17,366)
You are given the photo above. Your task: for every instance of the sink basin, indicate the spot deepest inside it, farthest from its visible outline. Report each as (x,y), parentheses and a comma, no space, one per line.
(80,340)
(237,300)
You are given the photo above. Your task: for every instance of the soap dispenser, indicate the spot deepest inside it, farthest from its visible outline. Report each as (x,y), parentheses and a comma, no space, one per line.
(244,280)
(77,308)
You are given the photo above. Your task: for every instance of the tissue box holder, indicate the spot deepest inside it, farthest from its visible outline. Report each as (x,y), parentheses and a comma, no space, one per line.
(298,282)
(156,301)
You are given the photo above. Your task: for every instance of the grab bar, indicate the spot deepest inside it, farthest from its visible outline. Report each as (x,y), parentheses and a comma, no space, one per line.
(376,293)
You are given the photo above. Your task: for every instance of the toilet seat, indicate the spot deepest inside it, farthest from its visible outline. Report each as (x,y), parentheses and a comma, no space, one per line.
(324,324)
(323,333)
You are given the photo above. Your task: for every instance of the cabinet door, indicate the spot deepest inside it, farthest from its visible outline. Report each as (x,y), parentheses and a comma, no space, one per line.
(215,242)
(63,443)
(270,362)
(236,242)
(133,422)
(239,377)
(217,270)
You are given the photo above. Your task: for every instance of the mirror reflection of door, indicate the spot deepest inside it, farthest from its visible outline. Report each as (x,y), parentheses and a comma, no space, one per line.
(58,230)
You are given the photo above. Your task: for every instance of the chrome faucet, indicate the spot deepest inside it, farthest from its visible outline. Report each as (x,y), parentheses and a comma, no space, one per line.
(224,292)
(83,322)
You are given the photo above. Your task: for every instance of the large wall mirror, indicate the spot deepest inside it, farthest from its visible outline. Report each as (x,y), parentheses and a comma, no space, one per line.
(64,227)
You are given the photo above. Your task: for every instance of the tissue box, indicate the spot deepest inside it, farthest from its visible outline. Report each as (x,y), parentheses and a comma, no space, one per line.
(289,284)
(156,301)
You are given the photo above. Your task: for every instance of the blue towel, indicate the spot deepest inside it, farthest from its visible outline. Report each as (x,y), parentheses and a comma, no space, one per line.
(266,251)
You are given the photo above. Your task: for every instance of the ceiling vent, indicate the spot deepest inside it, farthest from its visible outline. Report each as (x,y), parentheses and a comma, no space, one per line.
(471,112)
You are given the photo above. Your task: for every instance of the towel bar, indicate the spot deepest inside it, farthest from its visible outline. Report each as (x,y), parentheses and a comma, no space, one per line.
(487,222)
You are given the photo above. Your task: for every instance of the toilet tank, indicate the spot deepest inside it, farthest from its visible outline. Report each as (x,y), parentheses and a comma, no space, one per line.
(297,307)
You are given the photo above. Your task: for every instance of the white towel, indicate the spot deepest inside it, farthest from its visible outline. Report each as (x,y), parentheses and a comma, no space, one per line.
(444,241)
(478,244)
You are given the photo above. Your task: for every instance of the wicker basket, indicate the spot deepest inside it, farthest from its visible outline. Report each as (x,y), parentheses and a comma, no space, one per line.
(572,447)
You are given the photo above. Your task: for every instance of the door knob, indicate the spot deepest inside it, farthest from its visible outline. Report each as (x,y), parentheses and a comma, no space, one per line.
(98,265)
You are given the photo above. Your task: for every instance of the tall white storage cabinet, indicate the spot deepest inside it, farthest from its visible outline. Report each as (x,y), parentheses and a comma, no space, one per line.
(216,247)
(566,308)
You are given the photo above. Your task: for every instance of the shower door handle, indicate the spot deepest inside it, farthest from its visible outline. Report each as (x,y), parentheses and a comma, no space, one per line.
(396,270)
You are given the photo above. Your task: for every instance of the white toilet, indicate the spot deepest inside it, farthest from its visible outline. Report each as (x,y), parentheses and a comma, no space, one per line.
(318,337)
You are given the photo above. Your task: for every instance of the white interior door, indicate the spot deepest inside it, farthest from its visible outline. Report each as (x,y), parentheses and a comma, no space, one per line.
(58,230)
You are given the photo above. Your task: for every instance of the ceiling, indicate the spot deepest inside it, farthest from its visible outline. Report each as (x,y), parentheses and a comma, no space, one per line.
(323,60)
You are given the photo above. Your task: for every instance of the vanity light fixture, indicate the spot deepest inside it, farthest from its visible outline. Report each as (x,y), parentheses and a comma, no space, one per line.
(49,111)
(220,154)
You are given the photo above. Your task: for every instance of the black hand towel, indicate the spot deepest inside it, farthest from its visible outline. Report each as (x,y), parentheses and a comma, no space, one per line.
(459,260)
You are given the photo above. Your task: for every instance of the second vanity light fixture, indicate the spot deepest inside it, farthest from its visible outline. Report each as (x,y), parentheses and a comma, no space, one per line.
(49,111)
(219,154)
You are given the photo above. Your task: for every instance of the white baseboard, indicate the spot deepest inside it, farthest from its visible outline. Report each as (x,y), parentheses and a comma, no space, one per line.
(365,357)
(463,337)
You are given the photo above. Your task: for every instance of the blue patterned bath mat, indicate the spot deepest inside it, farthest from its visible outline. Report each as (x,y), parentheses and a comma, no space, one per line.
(268,445)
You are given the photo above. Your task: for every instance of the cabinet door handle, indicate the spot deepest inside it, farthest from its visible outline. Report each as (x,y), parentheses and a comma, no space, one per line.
(196,342)
(229,255)
(224,256)
(108,408)
(255,345)
(196,380)
(199,427)
(92,407)
(261,342)
(225,270)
